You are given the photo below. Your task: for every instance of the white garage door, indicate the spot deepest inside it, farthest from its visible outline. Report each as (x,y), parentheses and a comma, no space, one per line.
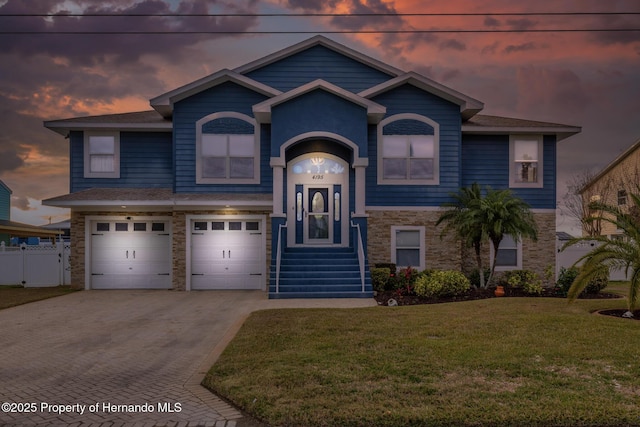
(227,254)
(130,254)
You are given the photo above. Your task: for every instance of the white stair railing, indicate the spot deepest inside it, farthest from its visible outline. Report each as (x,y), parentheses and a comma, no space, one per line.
(360,252)
(279,255)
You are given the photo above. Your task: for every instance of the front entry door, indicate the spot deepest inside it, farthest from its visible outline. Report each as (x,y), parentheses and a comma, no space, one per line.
(318,221)
(317,200)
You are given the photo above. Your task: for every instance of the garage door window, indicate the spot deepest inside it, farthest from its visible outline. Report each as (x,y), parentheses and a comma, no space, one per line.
(139,226)
(226,226)
(102,226)
(157,226)
(200,226)
(122,226)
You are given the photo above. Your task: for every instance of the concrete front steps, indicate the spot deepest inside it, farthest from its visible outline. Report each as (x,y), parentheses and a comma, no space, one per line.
(321,272)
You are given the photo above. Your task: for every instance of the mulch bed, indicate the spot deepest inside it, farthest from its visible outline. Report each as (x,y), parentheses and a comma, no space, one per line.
(403,298)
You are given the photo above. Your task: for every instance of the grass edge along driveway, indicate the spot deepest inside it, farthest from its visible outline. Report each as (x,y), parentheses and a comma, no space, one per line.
(13,295)
(501,362)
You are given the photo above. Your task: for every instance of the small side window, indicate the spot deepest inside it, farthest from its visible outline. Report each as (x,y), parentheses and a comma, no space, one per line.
(407,246)
(525,167)
(102,155)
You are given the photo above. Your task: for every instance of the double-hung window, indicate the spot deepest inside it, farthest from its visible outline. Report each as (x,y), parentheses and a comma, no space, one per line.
(407,157)
(102,155)
(525,168)
(408,150)
(509,256)
(407,246)
(228,156)
(227,149)
(622,197)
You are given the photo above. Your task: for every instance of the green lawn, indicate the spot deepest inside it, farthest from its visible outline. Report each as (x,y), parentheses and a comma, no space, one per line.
(11,296)
(500,362)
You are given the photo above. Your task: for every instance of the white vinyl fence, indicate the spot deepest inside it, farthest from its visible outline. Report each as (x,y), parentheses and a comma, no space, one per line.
(35,266)
(566,258)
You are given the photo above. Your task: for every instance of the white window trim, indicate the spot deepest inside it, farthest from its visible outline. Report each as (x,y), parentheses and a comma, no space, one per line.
(518,265)
(256,159)
(421,230)
(436,150)
(116,156)
(512,164)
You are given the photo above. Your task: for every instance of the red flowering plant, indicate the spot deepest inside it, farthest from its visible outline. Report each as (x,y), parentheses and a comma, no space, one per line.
(405,281)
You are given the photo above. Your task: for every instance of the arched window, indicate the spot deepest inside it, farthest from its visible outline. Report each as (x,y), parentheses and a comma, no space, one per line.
(227,149)
(408,150)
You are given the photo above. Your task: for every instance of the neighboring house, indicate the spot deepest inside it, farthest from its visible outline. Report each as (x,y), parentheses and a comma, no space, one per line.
(613,184)
(5,208)
(11,229)
(270,175)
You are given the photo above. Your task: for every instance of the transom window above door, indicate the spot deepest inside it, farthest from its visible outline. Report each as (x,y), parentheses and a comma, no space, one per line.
(318,165)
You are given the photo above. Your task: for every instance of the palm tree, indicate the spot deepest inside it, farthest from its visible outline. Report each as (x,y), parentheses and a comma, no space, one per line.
(475,218)
(612,253)
(461,219)
(503,213)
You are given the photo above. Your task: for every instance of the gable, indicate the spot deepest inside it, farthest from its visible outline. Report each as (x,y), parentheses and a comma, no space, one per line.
(319,62)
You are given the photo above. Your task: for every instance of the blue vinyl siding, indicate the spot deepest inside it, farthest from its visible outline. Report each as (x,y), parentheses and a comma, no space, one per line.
(319,111)
(485,160)
(409,99)
(319,62)
(224,97)
(145,162)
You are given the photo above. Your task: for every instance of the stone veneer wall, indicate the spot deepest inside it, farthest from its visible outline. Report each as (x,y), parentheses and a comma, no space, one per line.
(76,257)
(178,244)
(442,254)
(536,256)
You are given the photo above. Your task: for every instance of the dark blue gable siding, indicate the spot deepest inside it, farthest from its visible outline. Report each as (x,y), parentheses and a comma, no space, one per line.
(146,161)
(224,97)
(319,111)
(315,63)
(485,160)
(409,99)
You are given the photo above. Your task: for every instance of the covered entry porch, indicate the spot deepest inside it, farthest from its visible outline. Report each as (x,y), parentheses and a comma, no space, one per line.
(318,224)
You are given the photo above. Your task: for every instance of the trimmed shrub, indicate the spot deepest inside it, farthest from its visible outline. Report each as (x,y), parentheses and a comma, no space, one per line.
(391,266)
(595,285)
(442,284)
(380,278)
(598,282)
(566,278)
(526,280)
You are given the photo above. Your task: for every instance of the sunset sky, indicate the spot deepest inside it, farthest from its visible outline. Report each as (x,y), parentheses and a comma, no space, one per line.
(589,79)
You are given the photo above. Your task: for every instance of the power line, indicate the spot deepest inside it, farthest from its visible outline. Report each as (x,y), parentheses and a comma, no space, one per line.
(360,31)
(284,15)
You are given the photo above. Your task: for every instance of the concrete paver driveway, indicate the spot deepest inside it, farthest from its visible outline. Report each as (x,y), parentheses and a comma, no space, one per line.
(116,358)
